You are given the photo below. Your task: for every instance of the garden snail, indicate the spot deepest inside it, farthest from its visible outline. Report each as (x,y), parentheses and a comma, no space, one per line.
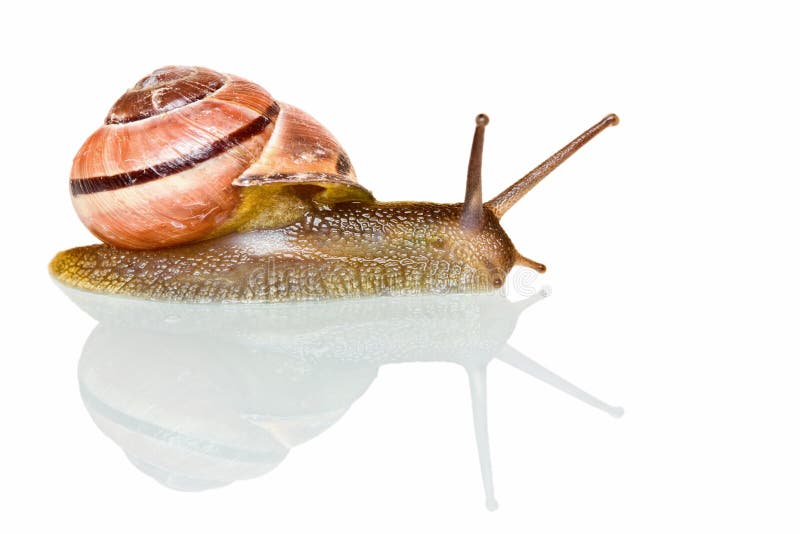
(204,188)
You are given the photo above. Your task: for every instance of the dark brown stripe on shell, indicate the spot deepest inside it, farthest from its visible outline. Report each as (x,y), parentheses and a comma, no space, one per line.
(164,90)
(86,186)
(273,110)
(343,164)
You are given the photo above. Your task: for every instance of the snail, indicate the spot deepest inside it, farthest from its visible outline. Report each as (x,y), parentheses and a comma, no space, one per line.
(204,188)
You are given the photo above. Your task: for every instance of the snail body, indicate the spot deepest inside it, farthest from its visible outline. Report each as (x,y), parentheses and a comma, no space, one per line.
(204,188)
(352,251)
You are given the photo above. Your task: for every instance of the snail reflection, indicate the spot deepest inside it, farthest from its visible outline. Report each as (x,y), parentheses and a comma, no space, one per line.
(199,396)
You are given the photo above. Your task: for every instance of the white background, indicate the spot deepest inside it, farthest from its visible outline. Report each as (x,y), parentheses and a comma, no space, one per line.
(671,243)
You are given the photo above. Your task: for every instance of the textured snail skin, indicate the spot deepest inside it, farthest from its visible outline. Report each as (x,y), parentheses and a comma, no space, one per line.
(356,250)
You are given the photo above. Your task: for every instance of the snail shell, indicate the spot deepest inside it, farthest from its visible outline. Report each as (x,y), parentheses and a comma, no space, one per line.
(189,153)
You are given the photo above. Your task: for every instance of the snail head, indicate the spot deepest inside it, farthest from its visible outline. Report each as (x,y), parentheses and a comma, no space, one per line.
(480,217)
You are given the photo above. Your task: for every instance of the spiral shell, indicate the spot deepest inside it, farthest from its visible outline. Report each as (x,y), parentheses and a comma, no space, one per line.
(189,153)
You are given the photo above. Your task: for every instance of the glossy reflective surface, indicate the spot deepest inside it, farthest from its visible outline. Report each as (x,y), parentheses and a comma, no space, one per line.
(199,396)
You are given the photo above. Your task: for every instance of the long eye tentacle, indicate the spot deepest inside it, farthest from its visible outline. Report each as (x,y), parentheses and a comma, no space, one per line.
(503,202)
(472,216)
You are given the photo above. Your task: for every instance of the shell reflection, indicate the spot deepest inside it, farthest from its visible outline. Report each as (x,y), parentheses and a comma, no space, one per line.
(199,396)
